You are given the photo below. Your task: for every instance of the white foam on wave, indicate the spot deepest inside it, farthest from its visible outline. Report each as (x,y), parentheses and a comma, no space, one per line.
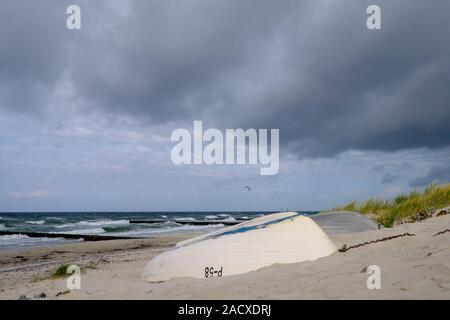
(94,223)
(185,219)
(163,216)
(229,219)
(20,240)
(56,218)
(12,237)
(210,217)
(177,229)
(36,222)
(2,226)
(83,231)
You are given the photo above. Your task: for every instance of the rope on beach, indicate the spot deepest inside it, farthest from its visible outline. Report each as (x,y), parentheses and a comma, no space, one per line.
(344,248)
(441,232)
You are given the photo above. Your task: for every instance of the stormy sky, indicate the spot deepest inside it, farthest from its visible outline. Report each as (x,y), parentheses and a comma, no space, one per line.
(86,115)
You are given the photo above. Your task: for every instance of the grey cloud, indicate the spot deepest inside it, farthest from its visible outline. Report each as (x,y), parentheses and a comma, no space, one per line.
(407,165)
(310,68)
(33,53)
(436,174)
(388,178)
(367,90)
(165,61)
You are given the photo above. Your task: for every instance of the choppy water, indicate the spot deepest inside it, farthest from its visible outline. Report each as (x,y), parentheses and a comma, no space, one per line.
(105,223)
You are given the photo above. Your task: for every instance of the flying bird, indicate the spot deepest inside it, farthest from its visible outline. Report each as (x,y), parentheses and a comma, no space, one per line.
(247,188)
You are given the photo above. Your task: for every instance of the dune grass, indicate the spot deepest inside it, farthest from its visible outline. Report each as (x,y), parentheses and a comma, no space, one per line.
(61,271)
(404,206)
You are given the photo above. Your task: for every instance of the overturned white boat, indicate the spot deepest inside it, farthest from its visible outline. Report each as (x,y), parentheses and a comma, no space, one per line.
(285,237)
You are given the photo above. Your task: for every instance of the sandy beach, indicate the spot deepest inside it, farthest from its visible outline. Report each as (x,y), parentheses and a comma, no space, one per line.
(412,267)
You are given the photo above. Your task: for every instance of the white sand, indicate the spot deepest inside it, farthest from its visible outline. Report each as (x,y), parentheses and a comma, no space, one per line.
(411,268)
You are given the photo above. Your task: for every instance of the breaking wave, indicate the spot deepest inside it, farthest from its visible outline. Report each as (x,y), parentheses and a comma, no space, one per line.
(36,222)
(93,223)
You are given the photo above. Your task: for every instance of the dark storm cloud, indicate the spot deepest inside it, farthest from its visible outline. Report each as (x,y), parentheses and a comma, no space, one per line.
(171,60)
(310,68)
(436,174)
(359,89)
(32,53)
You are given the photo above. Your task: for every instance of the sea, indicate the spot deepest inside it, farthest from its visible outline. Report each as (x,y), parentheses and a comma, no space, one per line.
(106,223)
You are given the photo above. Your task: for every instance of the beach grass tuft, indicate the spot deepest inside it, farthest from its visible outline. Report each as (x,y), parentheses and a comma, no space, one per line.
(60,272)
(404,206)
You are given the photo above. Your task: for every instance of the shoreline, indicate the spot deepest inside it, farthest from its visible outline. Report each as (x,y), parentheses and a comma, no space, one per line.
(34,266)
(85,237)
(415,267)
(30,229)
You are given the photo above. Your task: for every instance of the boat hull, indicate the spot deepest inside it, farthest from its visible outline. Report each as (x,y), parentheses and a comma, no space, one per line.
(285,237)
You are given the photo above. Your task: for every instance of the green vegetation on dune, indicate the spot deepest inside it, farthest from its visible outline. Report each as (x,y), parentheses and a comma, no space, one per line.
(404,207)
(62,271)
